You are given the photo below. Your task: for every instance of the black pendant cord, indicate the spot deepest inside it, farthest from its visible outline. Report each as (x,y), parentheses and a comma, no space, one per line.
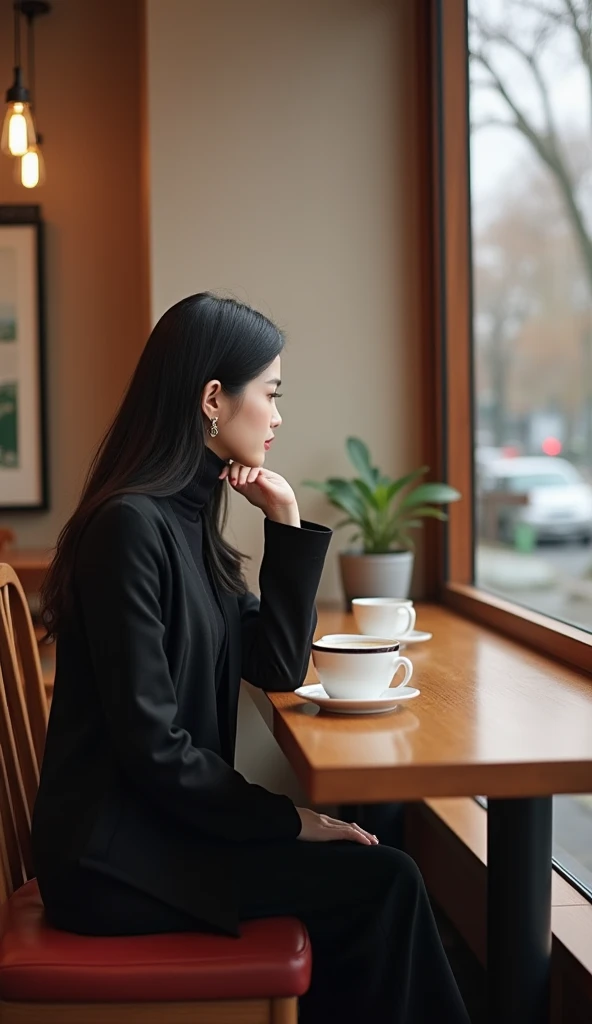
(30,9)
(17,36)
(31,60)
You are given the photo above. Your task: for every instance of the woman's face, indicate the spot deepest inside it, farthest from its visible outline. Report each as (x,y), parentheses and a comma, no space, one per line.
(246,426)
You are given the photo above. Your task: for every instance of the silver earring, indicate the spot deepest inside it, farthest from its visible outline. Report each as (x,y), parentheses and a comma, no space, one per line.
(214,428)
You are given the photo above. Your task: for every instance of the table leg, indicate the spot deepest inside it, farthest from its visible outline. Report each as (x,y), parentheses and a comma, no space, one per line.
(519,835)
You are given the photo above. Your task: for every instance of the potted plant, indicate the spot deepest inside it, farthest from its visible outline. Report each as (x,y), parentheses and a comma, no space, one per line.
(384,511)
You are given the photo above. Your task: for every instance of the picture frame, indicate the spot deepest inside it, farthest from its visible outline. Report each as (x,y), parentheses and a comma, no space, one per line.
(23,446)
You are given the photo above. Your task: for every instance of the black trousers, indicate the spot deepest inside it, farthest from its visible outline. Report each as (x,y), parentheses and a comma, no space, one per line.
(377,954)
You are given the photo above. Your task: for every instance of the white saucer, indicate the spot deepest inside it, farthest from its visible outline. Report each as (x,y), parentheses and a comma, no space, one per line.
(416,636)
(387,701)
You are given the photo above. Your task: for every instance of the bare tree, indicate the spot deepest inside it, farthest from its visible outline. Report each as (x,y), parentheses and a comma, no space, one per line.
(544,138)
(567,164)
(523,304)
(502,306)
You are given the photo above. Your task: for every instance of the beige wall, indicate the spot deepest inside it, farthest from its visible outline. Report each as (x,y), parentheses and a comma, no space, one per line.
(282,172)
(90,89)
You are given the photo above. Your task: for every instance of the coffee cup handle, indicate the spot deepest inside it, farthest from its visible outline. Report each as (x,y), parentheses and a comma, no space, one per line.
(412,617)
(408,666)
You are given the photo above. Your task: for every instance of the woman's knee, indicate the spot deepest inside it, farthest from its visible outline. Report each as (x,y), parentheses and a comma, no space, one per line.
(393,867)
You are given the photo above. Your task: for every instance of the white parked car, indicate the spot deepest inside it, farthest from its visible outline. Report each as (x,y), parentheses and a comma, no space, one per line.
(559,499)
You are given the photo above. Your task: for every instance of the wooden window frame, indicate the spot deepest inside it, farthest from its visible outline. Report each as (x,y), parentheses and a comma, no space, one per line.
(446,334)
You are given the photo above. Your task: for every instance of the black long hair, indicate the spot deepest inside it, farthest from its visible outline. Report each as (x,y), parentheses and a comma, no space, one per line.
(157,440)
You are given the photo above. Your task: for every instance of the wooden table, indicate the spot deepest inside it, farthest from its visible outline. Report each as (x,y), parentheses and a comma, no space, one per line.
(30,565)
(493,719)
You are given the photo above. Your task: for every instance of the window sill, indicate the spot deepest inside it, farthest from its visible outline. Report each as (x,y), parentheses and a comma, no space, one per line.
(558,640)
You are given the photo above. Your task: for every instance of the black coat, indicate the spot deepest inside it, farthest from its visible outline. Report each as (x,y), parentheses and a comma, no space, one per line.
(137,778)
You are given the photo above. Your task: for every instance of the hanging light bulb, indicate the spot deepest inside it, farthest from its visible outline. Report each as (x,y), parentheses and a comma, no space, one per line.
(18,130)
(32,168)
(29,169)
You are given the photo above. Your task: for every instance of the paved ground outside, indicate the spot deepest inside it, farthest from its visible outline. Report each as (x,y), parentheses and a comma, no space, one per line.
(555,579)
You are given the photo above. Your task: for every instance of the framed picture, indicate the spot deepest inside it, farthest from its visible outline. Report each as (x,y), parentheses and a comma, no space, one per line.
(23,462)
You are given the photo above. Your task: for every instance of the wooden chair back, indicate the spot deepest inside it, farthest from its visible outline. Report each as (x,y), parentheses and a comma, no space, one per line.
(19,652)
(23,725)
(15,842)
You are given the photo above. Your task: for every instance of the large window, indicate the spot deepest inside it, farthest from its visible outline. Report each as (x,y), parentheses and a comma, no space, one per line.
(530,173)
(531,214)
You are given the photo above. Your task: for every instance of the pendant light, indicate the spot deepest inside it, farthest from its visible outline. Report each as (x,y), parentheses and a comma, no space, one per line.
(30,168)
(18,131)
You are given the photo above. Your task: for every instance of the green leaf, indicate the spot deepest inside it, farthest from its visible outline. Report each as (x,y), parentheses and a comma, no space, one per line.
(336,486)
(381,497)
(327,486)
(345,496)
(425,510)
(366,493)
(344,505)
(398,485)
(392,534)
(360,456)
(317,486)
(441,494)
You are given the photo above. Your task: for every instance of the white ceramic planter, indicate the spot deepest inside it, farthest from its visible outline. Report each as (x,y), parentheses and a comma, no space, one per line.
(376,575)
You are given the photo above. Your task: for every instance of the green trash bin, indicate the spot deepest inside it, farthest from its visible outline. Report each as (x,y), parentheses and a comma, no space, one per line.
(524,538)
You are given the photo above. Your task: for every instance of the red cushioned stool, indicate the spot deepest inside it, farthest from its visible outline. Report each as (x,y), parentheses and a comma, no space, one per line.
(54,977)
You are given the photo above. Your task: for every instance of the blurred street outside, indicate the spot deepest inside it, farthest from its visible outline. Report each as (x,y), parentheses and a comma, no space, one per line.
(555,579)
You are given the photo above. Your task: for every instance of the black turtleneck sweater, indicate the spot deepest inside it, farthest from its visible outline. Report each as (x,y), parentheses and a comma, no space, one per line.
(188,506)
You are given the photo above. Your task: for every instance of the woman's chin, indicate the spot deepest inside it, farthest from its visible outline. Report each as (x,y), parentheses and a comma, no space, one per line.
(253,459)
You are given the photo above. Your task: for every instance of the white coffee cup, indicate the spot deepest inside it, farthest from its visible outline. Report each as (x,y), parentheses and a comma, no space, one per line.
(351,666)
(384,616)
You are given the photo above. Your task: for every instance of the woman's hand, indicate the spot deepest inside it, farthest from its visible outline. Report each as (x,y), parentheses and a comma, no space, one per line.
(266,490)
(320,828)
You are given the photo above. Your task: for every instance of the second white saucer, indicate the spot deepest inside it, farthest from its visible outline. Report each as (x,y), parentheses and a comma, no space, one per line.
(416,636)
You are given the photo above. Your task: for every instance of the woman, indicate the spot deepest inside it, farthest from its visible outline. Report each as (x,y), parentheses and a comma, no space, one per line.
(141,823)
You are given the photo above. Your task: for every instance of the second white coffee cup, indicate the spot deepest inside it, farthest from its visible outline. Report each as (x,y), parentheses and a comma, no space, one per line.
(384,616)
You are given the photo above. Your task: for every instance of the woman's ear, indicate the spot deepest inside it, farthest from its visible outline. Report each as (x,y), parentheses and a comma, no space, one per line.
(210,402)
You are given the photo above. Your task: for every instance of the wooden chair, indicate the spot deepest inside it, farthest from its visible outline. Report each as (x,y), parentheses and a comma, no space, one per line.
(31,568)
(54,977)
(23,691)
